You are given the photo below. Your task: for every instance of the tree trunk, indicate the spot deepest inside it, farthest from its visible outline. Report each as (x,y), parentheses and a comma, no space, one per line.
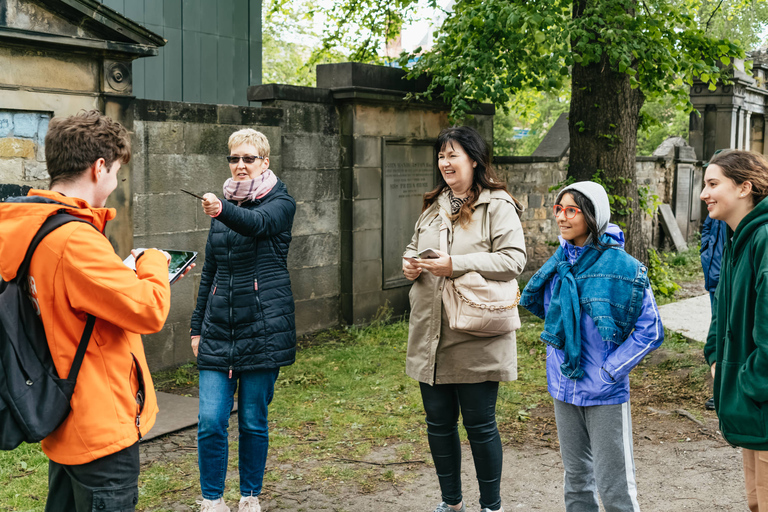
(603,123)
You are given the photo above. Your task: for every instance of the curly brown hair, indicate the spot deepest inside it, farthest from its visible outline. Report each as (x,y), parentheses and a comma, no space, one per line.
(74,143)
(741,166)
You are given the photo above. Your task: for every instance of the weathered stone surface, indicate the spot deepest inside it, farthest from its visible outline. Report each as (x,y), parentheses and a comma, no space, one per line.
(11,170)
(167,213)
(309,185)
(34,170)
(367,183)
(366,214)
(316,282)
(310,151)
(196,173)
(314,315)
(12,147)
(367,151)
(366,276)
(42,131)
(310,118)
(165,138)
(316,217)
(25,125)
(314,251)
(366,245)
(6,124)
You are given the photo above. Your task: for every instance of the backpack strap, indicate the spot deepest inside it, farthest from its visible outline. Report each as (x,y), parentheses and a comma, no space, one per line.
(52,223)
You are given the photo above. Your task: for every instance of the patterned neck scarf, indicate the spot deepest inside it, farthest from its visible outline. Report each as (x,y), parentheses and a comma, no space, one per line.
(456,202)
(250,190)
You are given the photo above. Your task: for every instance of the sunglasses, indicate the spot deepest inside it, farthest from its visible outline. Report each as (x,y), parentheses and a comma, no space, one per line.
(570,211)
(247,159)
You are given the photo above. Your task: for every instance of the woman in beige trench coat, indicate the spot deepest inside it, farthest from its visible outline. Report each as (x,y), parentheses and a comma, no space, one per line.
(459,372)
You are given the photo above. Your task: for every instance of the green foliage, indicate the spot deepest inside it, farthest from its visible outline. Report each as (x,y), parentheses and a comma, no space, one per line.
(649,202)
(684,266)
(658,274)
(290,47)
(619,204)
(535,111)
(488,50)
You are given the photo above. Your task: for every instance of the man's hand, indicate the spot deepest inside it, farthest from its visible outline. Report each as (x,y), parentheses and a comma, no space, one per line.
(195,344)
(211,204)
(441,267)
(136,254)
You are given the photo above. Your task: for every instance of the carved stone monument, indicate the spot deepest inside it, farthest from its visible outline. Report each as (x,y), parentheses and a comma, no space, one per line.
(408,172)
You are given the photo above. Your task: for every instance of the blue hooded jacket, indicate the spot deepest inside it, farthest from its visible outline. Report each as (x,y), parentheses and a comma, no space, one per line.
(606,365)
(713,238)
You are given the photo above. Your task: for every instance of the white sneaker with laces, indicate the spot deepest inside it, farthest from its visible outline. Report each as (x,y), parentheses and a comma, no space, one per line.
(249,504)
(213,506)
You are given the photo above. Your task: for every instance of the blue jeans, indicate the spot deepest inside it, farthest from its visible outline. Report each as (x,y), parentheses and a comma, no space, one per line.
(217,392)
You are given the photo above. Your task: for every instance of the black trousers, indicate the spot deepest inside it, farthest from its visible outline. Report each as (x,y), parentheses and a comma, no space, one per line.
(108,484)
(477,404)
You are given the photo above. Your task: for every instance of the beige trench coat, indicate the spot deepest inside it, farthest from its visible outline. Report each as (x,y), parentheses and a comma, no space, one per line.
(492,245)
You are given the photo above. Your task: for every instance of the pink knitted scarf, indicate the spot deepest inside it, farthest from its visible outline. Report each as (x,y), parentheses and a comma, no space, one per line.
(250,190)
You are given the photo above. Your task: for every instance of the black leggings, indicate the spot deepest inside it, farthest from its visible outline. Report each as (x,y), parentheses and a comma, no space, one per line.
(477,403)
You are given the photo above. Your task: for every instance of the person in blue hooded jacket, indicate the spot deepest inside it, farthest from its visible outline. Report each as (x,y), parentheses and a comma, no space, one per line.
(600,321)
(713,238)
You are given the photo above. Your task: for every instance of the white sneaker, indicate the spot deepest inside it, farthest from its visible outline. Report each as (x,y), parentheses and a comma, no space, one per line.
(213,506)
(249,504)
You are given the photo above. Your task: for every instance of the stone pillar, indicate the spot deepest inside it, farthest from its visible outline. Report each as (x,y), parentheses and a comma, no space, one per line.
(746,129)
(726,128)
(765,134)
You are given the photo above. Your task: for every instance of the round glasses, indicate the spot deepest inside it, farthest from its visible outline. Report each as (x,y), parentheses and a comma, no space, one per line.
(247,159)
(570,211)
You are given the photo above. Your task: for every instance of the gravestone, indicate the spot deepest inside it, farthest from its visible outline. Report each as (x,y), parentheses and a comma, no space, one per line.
(408,172)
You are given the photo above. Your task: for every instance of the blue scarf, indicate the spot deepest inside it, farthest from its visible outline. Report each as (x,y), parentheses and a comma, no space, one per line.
(562,325)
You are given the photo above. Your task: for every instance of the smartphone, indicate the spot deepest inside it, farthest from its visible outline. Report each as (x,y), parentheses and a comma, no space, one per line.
(180,261)
(428,253)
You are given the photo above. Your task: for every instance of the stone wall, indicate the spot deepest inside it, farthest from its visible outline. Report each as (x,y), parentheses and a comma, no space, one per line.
(183,145)
(22,151)
(529,179)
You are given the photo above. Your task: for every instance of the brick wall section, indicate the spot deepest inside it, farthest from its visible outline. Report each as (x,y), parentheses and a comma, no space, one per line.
(22,151)
(529,180)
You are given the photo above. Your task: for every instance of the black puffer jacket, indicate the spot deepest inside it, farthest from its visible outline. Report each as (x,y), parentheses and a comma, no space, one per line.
(244,311)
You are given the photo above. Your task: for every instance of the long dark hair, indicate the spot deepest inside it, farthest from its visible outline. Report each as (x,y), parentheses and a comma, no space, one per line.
(483,176)
(588,210)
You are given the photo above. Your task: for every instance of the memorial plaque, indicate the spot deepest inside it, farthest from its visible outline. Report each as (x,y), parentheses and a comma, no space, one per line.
(408,172)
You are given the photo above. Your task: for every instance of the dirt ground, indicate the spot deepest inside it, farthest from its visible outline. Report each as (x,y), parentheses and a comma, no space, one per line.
(682,464)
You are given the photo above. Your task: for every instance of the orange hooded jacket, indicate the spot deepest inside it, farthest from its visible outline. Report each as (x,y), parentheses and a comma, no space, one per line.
(73,272)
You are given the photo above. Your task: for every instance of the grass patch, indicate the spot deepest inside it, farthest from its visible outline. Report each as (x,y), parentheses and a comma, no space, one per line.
(346,400)
(684,266)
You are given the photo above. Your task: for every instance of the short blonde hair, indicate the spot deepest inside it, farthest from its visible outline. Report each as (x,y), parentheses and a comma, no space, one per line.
(252,137)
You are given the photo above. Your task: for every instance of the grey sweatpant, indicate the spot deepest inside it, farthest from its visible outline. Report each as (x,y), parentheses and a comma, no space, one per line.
(596,447)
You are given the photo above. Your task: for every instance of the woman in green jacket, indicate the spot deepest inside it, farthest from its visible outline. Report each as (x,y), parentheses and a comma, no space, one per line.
(735,190)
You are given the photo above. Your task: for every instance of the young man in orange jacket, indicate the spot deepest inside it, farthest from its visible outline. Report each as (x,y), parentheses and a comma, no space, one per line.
(94,455)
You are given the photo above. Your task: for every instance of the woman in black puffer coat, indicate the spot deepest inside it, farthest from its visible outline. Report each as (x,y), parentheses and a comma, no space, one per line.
(243,327)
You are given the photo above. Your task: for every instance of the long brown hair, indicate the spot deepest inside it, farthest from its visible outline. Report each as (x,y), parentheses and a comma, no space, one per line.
(484,176)
(741,166)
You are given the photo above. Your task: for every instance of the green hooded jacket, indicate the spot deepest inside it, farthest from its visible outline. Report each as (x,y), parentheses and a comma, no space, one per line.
(738,335)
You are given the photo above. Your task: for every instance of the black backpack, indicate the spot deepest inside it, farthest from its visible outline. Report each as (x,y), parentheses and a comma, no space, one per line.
(34,401)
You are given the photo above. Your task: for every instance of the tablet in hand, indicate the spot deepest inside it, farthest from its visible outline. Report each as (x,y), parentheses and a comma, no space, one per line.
(180,261)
